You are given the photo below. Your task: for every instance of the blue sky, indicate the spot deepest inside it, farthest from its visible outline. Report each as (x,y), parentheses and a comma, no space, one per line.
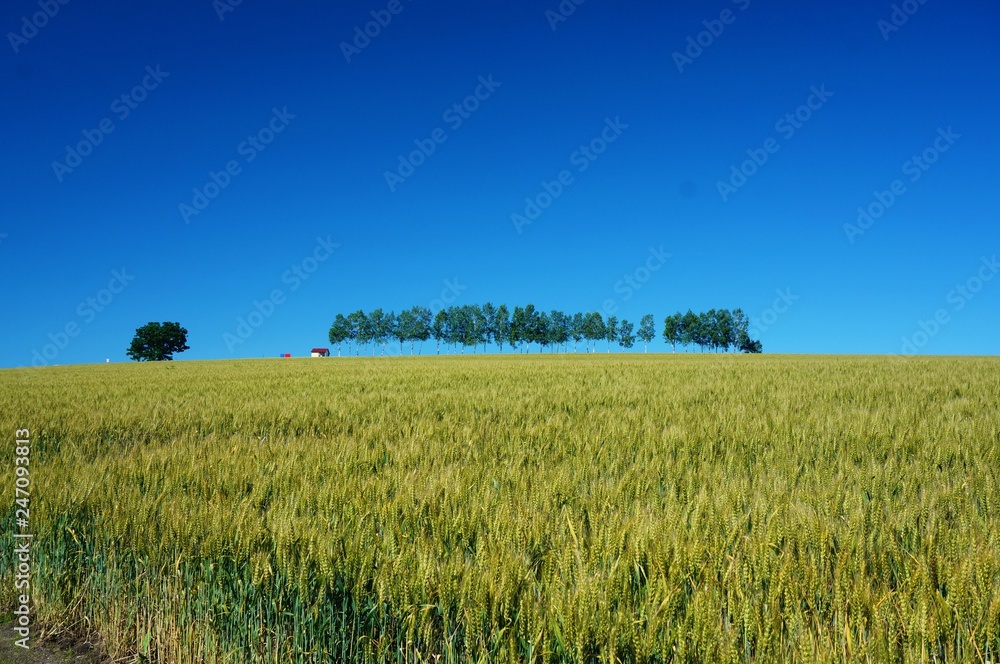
(741,138)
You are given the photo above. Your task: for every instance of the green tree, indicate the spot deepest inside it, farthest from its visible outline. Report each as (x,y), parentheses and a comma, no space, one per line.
(422,321)
(725,333)
(690,329)
(741,326)
(477,331)
(740,322)
(611,330)
(576,329)
(456,327)
(531,326)
(156,342)
(626,339)
(559,327)
(440,328)
(647,331)
(672,330)
(381,328)
(517,325)
(741,331)
(405,329)
(388,328)
(593,329)
(361,329)
(501,326)
(542,332)
(704,330)
(489,313)
(710,327)
(340,331)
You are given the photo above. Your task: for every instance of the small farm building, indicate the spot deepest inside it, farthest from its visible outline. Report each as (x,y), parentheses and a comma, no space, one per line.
(321,352)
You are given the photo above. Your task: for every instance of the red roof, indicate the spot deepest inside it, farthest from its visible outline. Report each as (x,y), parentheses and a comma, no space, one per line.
(320,350)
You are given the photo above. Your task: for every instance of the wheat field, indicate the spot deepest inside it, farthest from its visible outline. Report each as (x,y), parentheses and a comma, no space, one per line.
(558,508)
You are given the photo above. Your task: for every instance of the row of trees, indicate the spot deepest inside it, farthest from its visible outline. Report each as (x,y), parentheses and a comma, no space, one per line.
(717,328)
(473,325)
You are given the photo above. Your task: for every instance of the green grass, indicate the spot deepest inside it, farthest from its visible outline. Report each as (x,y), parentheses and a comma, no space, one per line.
(540,508)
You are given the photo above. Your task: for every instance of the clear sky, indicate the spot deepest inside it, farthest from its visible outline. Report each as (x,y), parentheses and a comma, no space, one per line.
(199,161)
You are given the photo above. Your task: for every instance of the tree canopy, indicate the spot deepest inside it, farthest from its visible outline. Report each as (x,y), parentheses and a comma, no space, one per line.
(156,342)
(715,329)
(474,326)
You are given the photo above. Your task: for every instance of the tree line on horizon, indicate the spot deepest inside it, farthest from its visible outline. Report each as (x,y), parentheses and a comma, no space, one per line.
(474,325)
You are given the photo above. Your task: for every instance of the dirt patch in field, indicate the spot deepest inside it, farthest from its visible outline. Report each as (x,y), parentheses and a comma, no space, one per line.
(44,652)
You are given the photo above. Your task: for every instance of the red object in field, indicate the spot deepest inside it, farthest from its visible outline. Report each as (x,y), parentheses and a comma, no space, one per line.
(288,354)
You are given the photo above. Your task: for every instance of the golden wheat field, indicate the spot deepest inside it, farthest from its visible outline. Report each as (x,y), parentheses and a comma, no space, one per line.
(562,508)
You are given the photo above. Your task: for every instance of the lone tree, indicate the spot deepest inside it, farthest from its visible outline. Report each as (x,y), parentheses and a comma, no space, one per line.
(154,342)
